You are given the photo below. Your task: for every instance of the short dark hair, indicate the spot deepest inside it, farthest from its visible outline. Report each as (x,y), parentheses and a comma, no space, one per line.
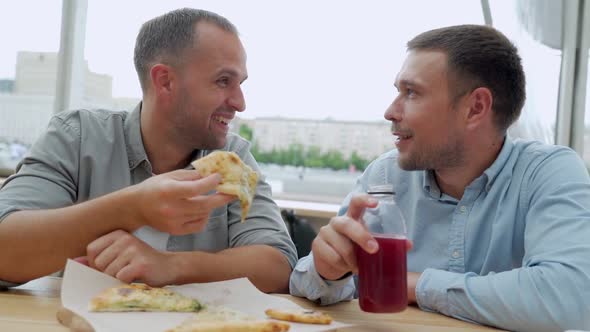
(166,37)
(480,56)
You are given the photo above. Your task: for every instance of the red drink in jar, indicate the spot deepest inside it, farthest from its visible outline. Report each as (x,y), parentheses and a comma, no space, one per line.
(383,275)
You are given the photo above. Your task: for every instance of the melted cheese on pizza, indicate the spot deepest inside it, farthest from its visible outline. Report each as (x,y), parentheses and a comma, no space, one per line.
(139,297)
(237,178)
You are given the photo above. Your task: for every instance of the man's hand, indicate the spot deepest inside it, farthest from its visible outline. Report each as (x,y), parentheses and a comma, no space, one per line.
(333,248)
(177,202)
(125,257)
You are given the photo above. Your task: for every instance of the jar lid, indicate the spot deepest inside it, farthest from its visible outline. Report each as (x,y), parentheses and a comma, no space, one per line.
(381,189)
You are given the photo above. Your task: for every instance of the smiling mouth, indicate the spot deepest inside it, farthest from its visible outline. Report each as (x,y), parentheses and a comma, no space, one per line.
(401,137)
(221,120)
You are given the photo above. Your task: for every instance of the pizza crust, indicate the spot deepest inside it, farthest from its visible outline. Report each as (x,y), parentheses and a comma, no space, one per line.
(233,326)
(299,316)
(221,319)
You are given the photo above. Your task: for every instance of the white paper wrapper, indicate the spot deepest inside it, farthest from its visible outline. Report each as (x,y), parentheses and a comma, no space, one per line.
(81,283)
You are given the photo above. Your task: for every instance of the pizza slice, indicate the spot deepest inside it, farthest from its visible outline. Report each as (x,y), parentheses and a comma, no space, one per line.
(140,297)
(237,178)
(222,319)
(299,316)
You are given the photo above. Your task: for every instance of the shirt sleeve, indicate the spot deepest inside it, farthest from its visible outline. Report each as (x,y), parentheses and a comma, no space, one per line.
(264,224)
(47,177)
(549,292)
(306,282)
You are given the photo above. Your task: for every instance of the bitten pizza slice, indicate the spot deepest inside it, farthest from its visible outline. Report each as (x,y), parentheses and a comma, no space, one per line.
(237,178)
(140,297)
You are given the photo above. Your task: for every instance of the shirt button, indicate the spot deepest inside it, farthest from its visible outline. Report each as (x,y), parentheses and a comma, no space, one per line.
(456,254)
(463,209)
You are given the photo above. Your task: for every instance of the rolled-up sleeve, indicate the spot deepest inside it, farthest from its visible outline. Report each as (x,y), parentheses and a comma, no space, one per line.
(46,178)
(306,282)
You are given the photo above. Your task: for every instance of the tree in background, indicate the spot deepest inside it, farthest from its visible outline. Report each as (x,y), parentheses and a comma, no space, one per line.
(298,155)
(246,132)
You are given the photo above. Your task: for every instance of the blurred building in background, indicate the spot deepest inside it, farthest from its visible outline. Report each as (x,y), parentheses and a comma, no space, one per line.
(26,103)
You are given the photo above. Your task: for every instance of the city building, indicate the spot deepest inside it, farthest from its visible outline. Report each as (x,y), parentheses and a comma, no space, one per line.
(368,139)
(27,102)
(6,86)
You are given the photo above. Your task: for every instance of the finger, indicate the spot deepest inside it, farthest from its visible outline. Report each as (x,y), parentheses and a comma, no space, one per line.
(197,208)
(118,248)
(210,202)
(82,260)
(129,273)
(327,261)
(358,204)
(409,245)
(97,246)
(341,245)
(201,186)
(184,175)
(118,264)
(356,232)
(106,257)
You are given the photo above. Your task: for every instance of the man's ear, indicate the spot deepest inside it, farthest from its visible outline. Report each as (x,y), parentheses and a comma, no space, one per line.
(161,77)
(480,103)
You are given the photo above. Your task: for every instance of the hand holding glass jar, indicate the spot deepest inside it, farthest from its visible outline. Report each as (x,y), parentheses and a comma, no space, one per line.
(383,275)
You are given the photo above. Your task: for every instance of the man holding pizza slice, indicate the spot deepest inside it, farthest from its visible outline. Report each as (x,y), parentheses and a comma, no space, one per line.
(118,188)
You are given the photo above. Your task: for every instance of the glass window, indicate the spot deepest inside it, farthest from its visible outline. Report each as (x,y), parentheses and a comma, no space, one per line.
(311,60)
(28,67)
(535,28)
(586,155)
(306,60)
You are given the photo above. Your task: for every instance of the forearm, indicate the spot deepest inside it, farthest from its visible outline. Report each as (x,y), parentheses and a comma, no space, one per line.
(266,267)
(36,243)
(541,298)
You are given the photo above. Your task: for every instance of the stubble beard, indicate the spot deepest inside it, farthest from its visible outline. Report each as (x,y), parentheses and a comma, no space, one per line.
(442,156)
(188,132)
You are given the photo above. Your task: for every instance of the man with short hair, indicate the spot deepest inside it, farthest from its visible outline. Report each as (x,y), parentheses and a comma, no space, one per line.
(499,227)
(114,186)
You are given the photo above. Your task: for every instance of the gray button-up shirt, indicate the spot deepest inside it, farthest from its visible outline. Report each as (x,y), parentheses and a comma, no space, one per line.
(86,154)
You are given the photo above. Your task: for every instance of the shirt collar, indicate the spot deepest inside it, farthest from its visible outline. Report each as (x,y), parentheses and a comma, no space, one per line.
(491,173)
(498,165)
(132,127)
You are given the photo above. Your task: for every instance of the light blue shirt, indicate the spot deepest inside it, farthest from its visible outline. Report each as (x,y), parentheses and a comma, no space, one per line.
(514,252)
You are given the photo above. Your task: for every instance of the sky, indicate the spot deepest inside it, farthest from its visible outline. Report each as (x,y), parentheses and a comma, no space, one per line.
(312,59)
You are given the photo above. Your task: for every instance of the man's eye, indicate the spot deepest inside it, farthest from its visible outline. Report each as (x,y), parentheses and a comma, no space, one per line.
(410,92)
(223,82)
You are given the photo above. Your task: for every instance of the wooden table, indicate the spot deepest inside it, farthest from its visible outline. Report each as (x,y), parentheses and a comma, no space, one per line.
(32,307)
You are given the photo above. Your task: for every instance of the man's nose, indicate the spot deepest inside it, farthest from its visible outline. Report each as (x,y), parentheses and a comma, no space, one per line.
(237,100)
(394,111)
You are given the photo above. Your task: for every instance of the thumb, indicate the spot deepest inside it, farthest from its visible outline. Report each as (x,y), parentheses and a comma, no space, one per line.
(82,260)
